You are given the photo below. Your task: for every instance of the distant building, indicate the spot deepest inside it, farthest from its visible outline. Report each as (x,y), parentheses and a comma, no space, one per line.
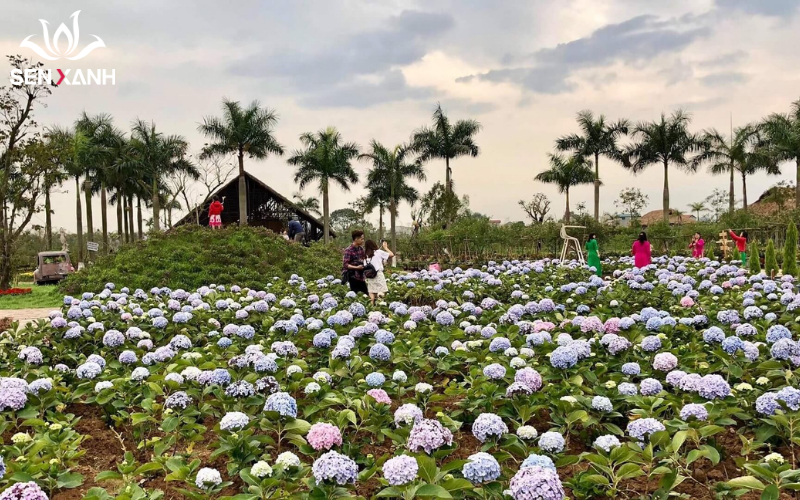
(265,207)
(675,218)
(617,220)
(496,222)
(773,200)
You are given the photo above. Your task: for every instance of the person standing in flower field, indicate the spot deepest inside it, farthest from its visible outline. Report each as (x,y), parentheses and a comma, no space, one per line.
(377,257)
(593,254)
(741,244)
(214,211)
(697,245)
(353,263)
(641,251)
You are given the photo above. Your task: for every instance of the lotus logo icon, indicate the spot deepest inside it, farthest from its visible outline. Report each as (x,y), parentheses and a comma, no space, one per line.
(54,51)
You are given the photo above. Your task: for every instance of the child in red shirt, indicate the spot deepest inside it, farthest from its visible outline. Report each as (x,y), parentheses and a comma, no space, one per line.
(214,211)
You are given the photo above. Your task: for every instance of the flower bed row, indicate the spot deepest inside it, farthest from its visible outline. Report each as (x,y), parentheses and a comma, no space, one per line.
(528,380)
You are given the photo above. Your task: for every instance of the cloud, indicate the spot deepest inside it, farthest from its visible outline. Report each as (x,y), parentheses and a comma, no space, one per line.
(390,86)
(724,59)
(771,8)
(375,54)
(723,78)
(641,38)
(468,107)
(697,104)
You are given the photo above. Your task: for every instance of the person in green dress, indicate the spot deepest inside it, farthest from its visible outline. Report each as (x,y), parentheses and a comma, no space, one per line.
(593,257)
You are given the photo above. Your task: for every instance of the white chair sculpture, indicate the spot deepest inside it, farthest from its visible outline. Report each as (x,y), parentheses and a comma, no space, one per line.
(571,241)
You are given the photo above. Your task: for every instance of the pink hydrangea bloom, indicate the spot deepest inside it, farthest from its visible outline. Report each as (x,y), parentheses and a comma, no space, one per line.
(611,325)
(324,436)
(687,302)
(380,396)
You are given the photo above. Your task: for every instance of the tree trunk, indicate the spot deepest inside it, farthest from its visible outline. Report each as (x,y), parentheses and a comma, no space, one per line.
(666,192)
(79,215)
(596,187)
(139,217)
(448,189)
(87,188)
(797,184)
(48,222)
(6,265)
(744,191)
(130,218)
(380,222)
(243,194)
(731,202)
(448,185)
(104,216)
(326,219)
(392,227)
(124,202)
(566,210)
(120,202)
(156,206)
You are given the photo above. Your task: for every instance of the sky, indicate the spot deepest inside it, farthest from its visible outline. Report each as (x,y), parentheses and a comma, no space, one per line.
(376,70)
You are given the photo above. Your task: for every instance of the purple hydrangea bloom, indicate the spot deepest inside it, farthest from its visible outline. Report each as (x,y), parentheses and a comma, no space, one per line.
(282,403)
(428,435)
(552,442)
(642,428)
(400,470)
(487,426)
(693,410)
(481,468)
(536,483)
(333,466)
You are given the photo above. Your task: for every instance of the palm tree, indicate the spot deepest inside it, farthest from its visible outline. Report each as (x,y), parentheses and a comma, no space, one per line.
(377,197)
(389,175)
(158,156)
(597,138)
(758,156)
(665,142)
(783,133)
(54,177)
(309,204)
(241,131)
(76,154)
(325,159)
(446,141)
(697,208)
(728,154)
(565,173)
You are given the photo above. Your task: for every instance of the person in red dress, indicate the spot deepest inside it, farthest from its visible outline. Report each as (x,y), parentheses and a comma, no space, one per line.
(214,211)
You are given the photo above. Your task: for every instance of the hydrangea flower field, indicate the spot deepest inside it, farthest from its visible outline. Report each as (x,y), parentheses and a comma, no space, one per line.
(525,380)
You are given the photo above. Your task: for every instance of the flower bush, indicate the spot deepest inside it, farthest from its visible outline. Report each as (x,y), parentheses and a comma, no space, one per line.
(523,379)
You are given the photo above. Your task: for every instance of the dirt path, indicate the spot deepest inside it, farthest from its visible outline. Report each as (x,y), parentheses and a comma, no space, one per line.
(26,315)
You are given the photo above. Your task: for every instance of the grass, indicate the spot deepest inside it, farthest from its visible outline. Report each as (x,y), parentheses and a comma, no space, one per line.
(41,296)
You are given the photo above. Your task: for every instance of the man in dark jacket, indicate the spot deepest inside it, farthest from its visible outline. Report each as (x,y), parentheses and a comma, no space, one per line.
(353,263)
(296,230)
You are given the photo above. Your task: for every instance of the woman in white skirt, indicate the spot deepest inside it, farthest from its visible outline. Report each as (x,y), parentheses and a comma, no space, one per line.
(377,257)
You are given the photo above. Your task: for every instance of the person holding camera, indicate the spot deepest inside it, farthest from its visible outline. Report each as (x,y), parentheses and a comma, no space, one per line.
(373,271)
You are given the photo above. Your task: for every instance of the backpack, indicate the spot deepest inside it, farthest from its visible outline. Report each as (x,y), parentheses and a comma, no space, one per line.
(370,271)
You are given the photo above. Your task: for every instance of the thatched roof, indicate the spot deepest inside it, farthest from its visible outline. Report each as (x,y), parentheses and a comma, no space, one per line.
(675,217)
(767,204)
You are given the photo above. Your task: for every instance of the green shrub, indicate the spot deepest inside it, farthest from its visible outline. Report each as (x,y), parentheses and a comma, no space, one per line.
(770,259)
(755,259)
(191,256)
(790,251)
